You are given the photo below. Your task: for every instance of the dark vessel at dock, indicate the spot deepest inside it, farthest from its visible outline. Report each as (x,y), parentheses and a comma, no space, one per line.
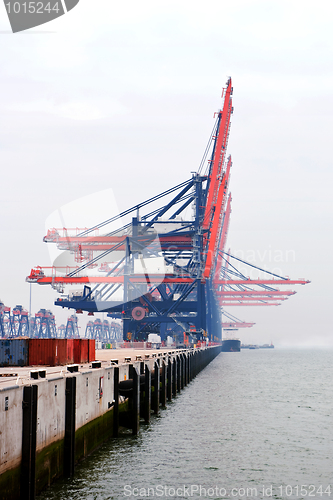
(231,345)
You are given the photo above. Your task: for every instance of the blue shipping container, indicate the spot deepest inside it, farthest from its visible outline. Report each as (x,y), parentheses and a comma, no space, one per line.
(14,352)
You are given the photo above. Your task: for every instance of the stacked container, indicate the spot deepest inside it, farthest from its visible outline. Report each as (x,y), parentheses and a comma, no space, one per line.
(52,352)
(49,352)
(14,352)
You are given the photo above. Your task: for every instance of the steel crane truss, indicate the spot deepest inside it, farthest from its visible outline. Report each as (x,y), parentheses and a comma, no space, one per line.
(233,288)
(176,295)
(234,322)
(184,294)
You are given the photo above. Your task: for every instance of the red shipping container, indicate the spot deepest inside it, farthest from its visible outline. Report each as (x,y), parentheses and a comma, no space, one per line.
(70,351)
(77,351)
(40,352)
(61,357)
(91,350)
(81,348)
(51,352)
(84,350)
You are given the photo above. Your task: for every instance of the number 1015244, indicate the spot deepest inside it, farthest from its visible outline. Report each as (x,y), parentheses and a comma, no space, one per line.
(305,490)
(32,7)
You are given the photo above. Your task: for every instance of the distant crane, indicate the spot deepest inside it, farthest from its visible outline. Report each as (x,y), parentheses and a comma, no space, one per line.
(45,326)
(20,322)
(6,327)
(72,328)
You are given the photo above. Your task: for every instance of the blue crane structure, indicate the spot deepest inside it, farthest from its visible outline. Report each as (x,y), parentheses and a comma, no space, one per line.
(163,271)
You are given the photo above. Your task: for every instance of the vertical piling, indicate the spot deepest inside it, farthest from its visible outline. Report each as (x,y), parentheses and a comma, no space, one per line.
(147,400)
(174,377)
(179,373)
(69,443)
(163,393)
(181,359)
(169,382)
(189,361)
(185,359)
(116,401)
(29,435)
(191,366)
(135,417)
(156,403)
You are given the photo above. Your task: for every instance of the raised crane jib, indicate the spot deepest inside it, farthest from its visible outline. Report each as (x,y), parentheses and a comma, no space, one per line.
(219,151)
(215,230)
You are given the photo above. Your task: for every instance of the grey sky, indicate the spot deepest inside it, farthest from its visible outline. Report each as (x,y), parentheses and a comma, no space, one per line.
(121,95)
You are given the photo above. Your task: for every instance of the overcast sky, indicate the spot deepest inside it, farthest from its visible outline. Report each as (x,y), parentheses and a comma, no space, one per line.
(121,96)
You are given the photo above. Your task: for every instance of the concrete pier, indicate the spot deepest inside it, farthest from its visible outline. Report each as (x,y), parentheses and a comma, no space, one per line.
(52,417)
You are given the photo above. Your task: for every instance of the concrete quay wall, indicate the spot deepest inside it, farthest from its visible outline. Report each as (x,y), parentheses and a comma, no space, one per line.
(49,423)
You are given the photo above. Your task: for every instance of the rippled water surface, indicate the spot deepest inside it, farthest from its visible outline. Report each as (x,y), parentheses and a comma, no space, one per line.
(254,424)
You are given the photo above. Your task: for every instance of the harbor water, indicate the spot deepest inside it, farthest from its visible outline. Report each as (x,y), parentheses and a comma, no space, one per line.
(253,424)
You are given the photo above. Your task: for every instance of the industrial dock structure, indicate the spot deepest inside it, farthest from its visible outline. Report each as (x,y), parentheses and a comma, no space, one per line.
(53,417)
(165,272)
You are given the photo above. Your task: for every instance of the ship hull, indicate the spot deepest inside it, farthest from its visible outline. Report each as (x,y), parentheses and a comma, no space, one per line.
(231,345)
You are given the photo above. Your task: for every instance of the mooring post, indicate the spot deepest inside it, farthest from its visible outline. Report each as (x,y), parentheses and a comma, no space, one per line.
(185,368)
(116,401)
(69,442)
(156,387)
(182,383)
(147,400)
(169,380)
(195,363)
(135,376)
(179,373)
(29,435)
(174,376)
(163,393)
(189,367)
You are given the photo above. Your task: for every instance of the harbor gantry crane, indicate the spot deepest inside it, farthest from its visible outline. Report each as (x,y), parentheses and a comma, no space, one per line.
(165,269)
(234,323)
(20,321)
(6,328)
(45,325)
(72,328)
